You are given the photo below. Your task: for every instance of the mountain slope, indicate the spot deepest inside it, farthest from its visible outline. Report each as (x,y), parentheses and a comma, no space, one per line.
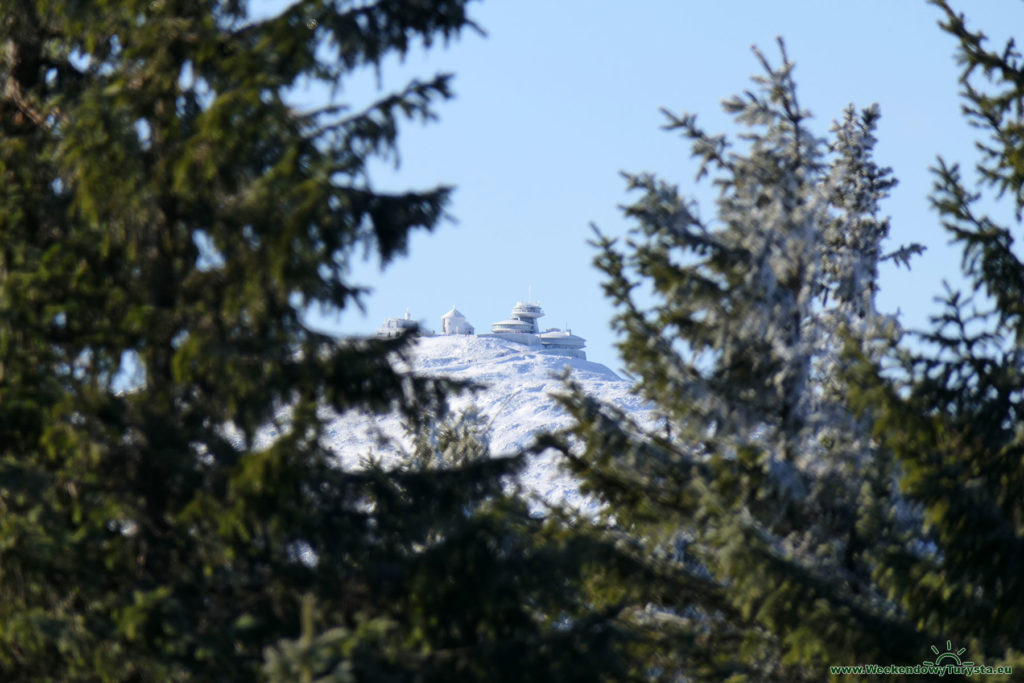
(516,402)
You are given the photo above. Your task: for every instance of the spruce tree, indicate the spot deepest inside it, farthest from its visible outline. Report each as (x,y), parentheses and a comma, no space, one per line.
(759,508)
(952,416)
(469,583)
(167,508)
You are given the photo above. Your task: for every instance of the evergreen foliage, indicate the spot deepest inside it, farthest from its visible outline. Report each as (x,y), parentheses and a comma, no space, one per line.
(824,488)
(954,423)
(166,216)
(762,509)
(468,585)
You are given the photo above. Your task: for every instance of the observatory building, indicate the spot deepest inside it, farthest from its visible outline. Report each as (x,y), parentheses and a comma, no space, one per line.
(521,327)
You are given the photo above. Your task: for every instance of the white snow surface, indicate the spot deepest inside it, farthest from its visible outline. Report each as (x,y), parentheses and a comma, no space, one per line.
(516,401)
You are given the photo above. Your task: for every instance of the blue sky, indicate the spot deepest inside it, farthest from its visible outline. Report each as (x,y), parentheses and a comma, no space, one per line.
(559,97)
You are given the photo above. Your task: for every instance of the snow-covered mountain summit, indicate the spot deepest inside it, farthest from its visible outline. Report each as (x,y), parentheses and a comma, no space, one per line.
(520,327)
(516,401)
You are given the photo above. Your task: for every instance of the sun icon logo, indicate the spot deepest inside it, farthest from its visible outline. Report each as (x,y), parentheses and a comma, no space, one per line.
(948,658)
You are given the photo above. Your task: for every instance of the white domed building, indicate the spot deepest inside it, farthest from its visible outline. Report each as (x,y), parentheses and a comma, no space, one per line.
(454,322)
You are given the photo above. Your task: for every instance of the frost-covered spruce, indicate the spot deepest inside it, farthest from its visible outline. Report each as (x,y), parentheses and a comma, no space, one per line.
(757,505)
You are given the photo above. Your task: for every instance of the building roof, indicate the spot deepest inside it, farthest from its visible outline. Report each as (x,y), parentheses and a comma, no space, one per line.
(454,313)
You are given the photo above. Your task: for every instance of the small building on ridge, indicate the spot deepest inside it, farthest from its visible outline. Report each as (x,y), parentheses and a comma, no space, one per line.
(454,322)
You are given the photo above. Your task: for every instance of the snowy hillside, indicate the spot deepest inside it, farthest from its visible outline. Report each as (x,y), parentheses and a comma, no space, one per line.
(516,401)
